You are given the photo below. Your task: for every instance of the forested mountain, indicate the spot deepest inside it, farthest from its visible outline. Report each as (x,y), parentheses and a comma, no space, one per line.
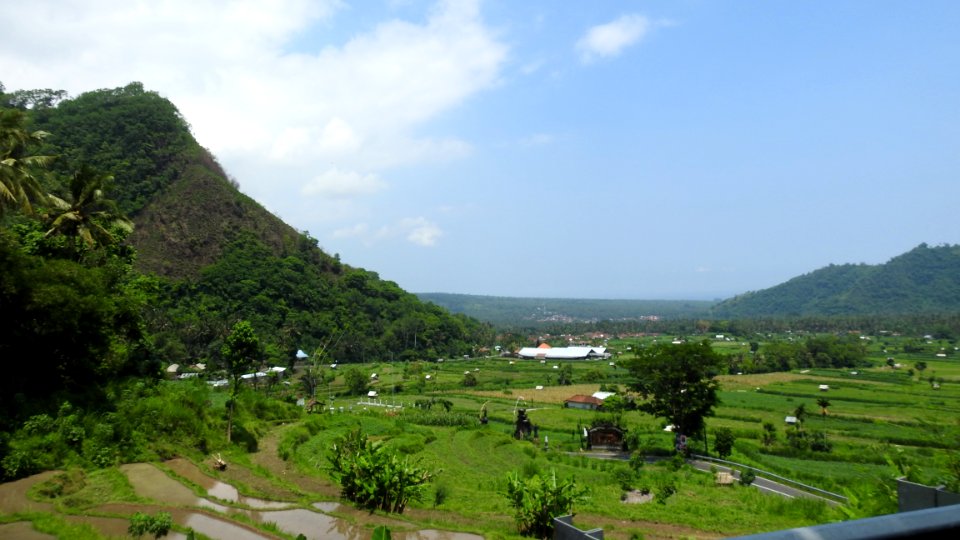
(201,255)
(925,280)
(538,312)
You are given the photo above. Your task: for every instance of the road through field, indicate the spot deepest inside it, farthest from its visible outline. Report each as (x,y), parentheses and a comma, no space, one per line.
(765,485)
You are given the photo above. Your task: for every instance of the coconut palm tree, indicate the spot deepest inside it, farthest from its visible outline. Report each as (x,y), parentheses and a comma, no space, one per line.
(88,214)
(823,403)
(801,414)
(19,184)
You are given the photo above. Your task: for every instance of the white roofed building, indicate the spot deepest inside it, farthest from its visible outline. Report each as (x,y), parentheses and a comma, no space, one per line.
(563,353)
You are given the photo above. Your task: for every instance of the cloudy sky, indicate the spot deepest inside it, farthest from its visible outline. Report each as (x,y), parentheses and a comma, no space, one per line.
(684,150)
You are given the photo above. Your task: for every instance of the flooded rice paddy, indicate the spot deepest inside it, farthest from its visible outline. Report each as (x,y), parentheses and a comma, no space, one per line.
(212,513)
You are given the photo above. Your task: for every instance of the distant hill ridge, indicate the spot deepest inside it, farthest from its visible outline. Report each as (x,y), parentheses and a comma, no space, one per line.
(924,280)
(514,311)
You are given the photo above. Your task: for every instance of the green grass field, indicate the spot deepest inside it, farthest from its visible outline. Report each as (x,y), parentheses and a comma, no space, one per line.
(877,415)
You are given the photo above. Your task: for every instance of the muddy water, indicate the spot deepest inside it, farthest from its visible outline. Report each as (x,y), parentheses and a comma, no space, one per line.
(148,481)
(22,530)
(218,528)
(152,483)
(218,489)
(314,525)
(13,495)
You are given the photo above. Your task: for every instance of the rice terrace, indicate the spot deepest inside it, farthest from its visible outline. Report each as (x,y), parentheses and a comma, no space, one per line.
(874,422)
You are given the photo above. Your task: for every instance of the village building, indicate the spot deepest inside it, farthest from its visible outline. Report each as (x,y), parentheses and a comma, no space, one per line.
(546,352)
(580,401)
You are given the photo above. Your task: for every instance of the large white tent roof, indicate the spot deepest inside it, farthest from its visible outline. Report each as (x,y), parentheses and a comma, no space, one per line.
(562,353)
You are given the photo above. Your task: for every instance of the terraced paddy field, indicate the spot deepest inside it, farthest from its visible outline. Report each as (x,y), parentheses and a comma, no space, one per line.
(881,422)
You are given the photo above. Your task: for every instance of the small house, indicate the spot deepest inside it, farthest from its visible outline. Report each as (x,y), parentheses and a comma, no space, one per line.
(580,401)
(824,387)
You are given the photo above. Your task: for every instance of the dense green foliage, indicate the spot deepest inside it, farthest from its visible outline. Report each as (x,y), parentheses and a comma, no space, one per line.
(157,525)
(374,476)
(136,135)
(539,499)
(69,329)
(88,305)
(819,351)
(677,381)
(923,280)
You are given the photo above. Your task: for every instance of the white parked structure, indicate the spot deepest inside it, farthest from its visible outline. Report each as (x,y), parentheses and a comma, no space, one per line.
(563,353)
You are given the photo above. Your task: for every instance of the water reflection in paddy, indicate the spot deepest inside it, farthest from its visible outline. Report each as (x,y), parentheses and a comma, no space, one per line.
(149,481)
(218,489)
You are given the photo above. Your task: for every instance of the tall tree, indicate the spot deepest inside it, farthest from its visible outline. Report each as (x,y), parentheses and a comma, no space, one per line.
(240,351)
(723,439)
(801,414)
(19,182)
(823,403)
(678,383)
(88,214)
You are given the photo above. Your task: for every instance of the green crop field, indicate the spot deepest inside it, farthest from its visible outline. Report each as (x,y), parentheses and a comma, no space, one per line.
(885,418)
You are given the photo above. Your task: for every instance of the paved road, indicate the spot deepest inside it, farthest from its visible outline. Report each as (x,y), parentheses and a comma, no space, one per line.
(763,484)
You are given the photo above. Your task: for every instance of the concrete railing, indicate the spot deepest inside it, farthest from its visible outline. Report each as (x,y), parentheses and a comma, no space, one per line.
(563,529)
(913,496)
(941,522)
(773,476)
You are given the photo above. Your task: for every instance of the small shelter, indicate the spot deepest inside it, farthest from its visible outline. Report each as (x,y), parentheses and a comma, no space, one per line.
(606,438)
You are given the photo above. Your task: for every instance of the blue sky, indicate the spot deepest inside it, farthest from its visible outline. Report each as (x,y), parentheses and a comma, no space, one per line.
(680,150)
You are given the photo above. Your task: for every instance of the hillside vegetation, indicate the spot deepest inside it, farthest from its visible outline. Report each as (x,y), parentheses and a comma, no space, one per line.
(925,280)
(91,303)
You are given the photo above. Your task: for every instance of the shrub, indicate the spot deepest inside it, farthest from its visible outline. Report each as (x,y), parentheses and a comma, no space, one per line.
(440,494)
(747,477)
(676,462)
(291,440)
(537,500)
(530,469)
(158,525)
(723,440)
(374,477)
(624,476)
(664,492)
(819,442)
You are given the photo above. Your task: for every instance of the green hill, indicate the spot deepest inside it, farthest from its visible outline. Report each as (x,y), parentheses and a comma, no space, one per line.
(217,255)
(925,280)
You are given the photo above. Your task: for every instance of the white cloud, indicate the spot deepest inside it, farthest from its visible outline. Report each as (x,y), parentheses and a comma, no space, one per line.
(419,231)
(610,39)
(274,115)
(337,184)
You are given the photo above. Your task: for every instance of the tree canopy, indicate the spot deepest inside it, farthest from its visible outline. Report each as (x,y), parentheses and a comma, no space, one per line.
(677,383)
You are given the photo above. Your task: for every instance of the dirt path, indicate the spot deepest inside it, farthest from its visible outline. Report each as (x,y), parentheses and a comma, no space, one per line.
(268,458)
